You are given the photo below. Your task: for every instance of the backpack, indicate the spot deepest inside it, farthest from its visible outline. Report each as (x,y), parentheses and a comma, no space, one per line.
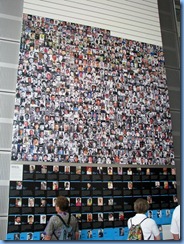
(66,232)
(135,232)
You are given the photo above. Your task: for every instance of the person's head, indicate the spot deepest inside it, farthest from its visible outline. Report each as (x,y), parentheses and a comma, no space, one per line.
(18,219)
(62,203)
(141,205)
(29,236)
(30,219)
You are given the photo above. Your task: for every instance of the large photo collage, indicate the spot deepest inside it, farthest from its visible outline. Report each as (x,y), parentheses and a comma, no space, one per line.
(92,122)
(85,96)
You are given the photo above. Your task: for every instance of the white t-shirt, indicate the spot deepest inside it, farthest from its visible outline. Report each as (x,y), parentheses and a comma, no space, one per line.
(149,226)
(175,223)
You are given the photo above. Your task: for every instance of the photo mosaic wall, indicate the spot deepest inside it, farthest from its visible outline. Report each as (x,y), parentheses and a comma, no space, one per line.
(85,96)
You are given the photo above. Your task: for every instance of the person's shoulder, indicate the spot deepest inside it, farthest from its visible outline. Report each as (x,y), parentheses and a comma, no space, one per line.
(151,221)
(176,210)
(54,217)
(178,207)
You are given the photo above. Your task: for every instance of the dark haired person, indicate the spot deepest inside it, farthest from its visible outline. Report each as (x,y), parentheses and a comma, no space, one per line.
(149,226)
(54,225)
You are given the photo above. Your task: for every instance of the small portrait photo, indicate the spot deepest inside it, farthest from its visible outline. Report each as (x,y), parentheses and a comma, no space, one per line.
(17,220)
(67,185)
(78,202)
(54,201)
(159,214)
(43,219)
(147,171)
(19,185)
(43,169)
(167,212)
(174,184)
(17,237)
(31,168)
(29,236)
(30,219)
(68,201)
(100,201)
(67,169)
(89,201)
(110,201)
(130,185)
(88,186)
(121,231)
(166,185)
(109,170)
(88,170)
(99,170)
(43,185)
(110,185)
(129,171)
(100,217)
(120,170)
(42,236)
(18,202)
(175,199)
(100,233)
(55,168)
(89,234)
(149,199)
(111,217)
(157,184)
(31,202)
(150,214)
(55,185)
(164,171)
(43,202)
(78,217)
(89,217)
(121,216)
(173,171)
(78,170)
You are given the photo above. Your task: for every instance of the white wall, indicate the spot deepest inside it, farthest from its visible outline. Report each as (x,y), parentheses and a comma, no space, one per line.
(10,30)
(129,19)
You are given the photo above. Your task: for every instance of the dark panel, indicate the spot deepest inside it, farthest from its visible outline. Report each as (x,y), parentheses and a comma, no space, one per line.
(173,78)
(165,6)
(174,97)
(177,145)
(166,22)
(175,117)
(171,57)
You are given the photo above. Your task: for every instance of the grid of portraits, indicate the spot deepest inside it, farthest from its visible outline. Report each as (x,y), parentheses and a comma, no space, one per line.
(85,96)
(99,197)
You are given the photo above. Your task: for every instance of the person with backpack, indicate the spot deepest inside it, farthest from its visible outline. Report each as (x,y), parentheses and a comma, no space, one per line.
(140,226)
(63,225)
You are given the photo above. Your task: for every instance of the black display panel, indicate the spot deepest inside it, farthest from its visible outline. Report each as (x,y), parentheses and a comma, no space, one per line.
(97,204)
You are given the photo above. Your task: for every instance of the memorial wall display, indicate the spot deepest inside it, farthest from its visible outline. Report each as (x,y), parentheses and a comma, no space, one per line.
(85,96)
(91,122)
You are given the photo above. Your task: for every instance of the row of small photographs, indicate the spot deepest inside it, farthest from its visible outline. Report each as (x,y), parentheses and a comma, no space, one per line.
(90,170)
(88,201)
(78,201)
(89,217)
(67,185)
(89,234)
